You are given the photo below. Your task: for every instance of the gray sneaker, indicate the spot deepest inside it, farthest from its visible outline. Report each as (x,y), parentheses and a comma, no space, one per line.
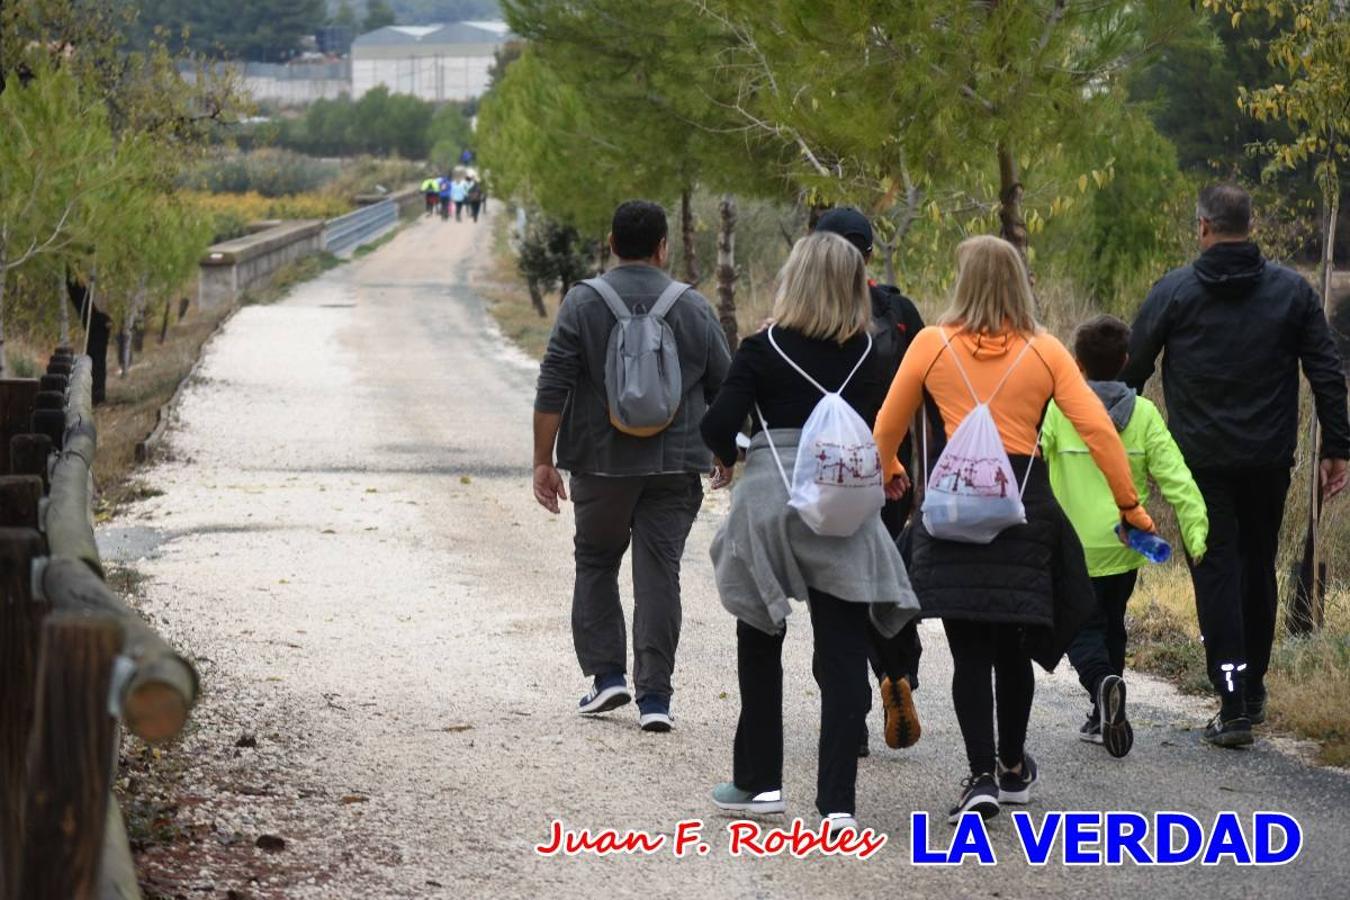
(731,798)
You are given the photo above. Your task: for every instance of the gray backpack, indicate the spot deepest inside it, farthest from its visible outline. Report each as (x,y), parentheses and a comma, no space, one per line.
(643,387)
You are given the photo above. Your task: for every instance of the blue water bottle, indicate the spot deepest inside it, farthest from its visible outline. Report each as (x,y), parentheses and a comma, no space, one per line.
(1147,544)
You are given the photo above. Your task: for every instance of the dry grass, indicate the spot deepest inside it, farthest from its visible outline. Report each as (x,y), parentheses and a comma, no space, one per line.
(134,399)
(498,281)
(1309,678)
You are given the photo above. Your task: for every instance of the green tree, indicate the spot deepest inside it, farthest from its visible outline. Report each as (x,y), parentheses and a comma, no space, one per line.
(345,16)
(263,30)
(378,15)
(888,102)
(102,134)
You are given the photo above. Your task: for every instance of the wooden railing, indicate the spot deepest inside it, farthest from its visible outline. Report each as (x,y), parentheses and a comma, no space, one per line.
(76,664)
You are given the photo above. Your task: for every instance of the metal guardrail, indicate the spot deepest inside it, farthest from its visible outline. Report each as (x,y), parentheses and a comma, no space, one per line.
(356,228)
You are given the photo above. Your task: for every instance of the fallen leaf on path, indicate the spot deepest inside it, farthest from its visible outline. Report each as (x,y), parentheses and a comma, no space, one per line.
(354,798)
(458,726)
(328,531)
(465,479)
(246,740)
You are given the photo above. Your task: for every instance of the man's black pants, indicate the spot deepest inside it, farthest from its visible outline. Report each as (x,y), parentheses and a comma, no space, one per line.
(896,657)
(654,513)
(1098,649)
(839,629)
(1236,596)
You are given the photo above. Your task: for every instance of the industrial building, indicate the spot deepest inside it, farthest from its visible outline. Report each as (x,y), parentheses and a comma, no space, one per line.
(433,62)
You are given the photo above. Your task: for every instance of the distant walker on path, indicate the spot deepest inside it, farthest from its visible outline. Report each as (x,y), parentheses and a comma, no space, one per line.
(626,488)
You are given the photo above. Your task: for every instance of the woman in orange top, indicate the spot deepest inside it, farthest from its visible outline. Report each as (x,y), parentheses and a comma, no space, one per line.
(1025,594)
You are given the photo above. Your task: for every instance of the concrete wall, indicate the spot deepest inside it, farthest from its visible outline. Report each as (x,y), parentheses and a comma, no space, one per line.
(230,268)
(295,84)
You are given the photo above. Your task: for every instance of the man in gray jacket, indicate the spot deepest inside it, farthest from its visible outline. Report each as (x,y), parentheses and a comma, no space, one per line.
(626,489)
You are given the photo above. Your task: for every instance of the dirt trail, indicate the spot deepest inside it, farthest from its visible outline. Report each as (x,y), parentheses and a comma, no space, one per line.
(347,543)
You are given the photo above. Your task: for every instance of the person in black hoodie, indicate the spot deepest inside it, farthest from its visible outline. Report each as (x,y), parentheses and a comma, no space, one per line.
(895,322)
(1235,328)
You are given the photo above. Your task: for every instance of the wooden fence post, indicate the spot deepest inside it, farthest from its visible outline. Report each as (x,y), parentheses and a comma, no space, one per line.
(28,455)
(70,758)
(16,408)
(19,498)
(20,621)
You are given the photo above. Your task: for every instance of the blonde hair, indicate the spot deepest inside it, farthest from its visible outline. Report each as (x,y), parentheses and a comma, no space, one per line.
(822,290)
(993,292)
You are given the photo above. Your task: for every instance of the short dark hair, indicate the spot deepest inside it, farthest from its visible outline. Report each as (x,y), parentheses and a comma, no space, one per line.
(639,227)
(1102,345)
(1228,207)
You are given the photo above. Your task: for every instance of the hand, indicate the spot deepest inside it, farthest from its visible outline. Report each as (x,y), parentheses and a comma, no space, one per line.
(1137,517)
(548,487)
(720,476)
(897,487)
(1334,478)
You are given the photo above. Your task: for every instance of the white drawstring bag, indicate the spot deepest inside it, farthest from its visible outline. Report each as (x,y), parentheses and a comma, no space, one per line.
(836,480)
(972,494)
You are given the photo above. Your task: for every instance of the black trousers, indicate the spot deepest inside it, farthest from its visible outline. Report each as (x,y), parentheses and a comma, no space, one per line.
(896,657)
(979,650)
(1099,648)
(653,514)
(839,629)
(1235,589)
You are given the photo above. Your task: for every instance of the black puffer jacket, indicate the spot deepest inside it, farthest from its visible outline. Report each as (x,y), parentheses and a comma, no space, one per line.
(1235,328)
(1032,575)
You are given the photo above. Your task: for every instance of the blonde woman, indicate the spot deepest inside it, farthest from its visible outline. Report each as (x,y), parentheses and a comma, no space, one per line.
(1023,596)
(764,555)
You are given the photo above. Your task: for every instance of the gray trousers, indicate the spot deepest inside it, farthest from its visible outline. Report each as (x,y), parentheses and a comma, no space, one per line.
(654,513)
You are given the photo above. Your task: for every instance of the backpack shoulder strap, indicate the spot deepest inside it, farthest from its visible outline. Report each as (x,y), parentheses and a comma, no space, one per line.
(956,361)
(787,359)
(611,298)
(1008,374)
(862,359)
(664,303)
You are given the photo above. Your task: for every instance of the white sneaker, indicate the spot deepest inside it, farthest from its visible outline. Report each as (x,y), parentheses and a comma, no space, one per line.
(841,822)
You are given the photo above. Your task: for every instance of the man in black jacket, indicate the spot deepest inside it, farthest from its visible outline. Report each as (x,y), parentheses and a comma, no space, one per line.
(896,322)
(1234,328)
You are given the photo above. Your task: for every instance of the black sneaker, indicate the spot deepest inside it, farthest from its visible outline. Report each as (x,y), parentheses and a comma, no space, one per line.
(1015,787)
(979,793)
(1091,730)
(1236,732)
(1256,709)
(1117,734)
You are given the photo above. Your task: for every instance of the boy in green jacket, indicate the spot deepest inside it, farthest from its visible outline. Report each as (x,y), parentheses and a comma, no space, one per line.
(1101,347)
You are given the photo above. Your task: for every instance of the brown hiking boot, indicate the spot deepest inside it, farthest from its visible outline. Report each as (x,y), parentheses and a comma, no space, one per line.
(902,719)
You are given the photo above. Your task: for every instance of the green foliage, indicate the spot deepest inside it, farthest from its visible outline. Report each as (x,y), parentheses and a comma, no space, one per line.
(262,30)
(553,255)
(421,12)
(1191,93)
(379,123)
(95,139)
(378,15)
(344,15)
(270,172)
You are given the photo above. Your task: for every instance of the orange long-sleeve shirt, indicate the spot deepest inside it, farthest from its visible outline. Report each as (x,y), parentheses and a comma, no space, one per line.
(1047,370)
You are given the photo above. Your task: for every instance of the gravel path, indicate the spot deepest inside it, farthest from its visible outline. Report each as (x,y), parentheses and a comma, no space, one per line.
(347,543)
